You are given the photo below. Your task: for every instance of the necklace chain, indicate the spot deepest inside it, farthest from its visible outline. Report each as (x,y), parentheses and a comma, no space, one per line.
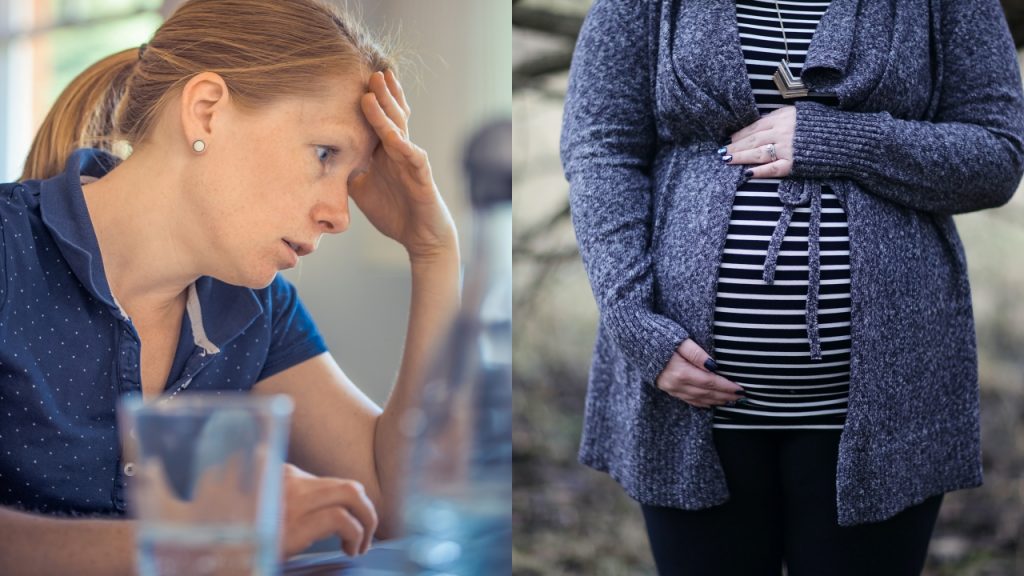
(789,86)
(782,27)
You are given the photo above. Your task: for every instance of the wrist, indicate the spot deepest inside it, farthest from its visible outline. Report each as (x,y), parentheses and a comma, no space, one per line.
(832,143)
(433,261)
(440,250)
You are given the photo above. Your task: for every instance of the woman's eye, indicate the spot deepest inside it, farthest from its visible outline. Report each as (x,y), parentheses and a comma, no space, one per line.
(325,153)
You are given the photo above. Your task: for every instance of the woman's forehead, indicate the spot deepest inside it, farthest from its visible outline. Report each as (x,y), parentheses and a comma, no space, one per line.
(336,114)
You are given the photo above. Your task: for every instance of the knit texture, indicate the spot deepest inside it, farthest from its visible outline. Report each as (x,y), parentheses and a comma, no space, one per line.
(929,123)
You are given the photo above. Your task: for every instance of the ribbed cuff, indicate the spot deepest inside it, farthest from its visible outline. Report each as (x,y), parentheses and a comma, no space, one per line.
(833,143)
(648,339)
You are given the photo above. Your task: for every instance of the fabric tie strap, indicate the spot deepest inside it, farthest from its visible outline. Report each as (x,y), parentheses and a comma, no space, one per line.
(795,193)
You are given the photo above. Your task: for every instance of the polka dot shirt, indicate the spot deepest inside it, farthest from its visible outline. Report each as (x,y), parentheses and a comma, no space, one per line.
(68,353)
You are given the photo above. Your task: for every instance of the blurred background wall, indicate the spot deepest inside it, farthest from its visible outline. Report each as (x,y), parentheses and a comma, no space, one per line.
(357,284)
(569,519)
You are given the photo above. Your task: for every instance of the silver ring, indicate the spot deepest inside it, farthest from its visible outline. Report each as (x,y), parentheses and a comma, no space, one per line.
(771,152)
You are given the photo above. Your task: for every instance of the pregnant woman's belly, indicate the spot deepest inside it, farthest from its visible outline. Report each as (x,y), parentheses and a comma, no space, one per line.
(760,330)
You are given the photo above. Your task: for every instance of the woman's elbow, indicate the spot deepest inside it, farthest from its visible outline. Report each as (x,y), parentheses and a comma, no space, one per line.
(1008,183)
(997,180)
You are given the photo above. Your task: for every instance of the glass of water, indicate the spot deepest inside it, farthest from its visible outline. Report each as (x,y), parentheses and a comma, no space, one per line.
(205,476)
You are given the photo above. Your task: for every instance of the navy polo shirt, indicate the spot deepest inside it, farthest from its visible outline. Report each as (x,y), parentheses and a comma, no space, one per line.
(68,352)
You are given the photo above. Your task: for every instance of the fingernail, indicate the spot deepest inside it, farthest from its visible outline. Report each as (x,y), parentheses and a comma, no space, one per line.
(741,391)
(743,402)
(727,157)
(748,173)
(722,150)
(710,365)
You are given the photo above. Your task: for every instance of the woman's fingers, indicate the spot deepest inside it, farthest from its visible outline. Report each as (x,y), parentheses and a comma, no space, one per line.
(754,141)
(397,92)
(317,507)
(350,494)
(762,124)
(388,101)
(754,145)
(761,154)
(686,377)
(778,169)
(395,142)
(703,384)
(698,359)
(388,112)
(325,522)
(693,353)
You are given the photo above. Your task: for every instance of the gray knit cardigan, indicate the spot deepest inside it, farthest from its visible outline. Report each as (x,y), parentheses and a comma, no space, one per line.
(929,123)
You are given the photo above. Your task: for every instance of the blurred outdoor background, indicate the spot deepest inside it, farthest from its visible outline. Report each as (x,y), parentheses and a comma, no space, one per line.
(569,519)
(457,56)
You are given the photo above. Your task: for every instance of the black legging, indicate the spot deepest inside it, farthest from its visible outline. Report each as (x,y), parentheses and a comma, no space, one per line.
(783,508)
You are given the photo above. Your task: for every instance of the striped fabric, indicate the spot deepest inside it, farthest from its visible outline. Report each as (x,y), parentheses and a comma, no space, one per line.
(760,331)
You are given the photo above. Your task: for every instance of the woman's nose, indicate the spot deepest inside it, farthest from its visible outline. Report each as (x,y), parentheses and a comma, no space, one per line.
(332,214)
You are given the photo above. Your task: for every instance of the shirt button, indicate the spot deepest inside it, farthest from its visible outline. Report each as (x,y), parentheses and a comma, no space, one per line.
(129,469)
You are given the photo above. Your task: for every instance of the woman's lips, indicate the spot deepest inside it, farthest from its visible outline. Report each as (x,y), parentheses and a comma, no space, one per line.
(293,254)
(298,247)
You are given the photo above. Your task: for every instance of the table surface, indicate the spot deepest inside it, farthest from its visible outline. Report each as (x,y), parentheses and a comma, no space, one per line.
(384,558)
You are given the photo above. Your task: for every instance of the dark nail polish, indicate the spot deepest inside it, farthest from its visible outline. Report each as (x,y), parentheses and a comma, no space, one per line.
(740,392)
(722,150)
(710,365)
(748,173)
(743,402)
(727,157)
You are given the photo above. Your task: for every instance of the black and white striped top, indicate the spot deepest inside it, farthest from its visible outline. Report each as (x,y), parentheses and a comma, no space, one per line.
(760,331)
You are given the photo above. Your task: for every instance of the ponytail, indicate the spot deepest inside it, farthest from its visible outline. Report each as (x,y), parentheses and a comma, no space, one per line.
(83,116)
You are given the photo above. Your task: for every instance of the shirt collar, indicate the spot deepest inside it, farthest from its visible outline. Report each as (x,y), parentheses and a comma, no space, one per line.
(64,212)
(218,312)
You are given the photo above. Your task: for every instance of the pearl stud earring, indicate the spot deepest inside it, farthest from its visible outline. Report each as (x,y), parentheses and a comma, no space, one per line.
(198,146)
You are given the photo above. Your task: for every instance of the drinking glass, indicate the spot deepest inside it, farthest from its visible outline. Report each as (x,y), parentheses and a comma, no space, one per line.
(205,475)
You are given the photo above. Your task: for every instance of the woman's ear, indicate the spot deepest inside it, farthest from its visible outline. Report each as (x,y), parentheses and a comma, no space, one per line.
(203,99)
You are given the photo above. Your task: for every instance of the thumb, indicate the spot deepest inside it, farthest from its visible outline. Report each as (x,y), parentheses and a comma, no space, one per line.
(696,355)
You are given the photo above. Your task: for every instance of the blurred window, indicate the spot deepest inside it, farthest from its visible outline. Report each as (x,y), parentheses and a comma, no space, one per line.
(44,44)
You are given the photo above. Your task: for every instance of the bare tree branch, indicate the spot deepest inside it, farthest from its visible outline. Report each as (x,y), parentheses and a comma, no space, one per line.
(532,70)
(544,256)
(530,235)
(548,21)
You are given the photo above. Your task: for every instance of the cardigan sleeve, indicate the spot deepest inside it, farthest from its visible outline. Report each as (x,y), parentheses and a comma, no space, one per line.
(607,147)
(969,157)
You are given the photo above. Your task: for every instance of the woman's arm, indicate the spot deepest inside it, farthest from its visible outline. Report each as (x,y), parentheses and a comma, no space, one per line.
(435,300)
(970,157)
(338,431)
(607,147)
(33,544)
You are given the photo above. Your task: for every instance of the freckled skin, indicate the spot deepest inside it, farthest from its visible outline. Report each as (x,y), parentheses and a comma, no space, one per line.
(259,188)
